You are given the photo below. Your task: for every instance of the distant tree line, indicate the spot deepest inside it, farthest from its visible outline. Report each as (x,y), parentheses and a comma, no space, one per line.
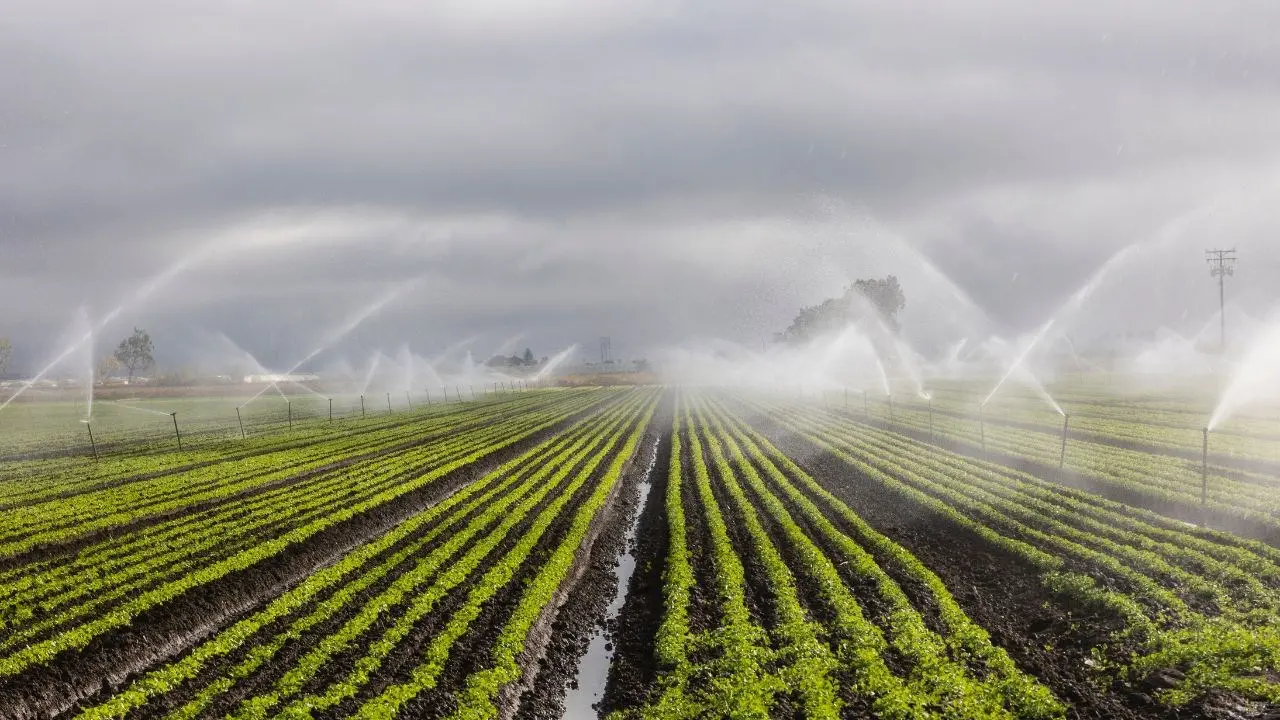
(883,296)
(525,360)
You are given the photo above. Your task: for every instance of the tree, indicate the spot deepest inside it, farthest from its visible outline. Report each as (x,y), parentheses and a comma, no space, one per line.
(107,367)
(528,356)
(135,351)
(6,350)
(883,296)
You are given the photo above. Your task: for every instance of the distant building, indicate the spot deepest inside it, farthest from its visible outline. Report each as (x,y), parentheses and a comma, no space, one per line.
(281,378)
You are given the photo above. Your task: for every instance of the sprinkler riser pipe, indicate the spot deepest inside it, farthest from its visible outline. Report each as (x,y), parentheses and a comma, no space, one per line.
(388,403)
(92,444)
(240,423)
(177,433)
(362,406)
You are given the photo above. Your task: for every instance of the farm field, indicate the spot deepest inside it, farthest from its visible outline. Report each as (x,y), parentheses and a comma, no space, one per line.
(793,557)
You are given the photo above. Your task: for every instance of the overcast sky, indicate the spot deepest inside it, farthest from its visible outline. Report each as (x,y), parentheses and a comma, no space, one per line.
(658,171)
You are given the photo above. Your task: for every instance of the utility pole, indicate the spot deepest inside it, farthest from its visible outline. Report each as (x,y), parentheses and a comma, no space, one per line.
(1221,264)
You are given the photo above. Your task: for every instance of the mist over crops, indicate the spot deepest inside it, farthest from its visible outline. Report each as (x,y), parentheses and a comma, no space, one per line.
(639,360)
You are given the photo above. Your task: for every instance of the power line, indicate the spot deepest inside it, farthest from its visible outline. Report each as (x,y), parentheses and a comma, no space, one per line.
(1221,264)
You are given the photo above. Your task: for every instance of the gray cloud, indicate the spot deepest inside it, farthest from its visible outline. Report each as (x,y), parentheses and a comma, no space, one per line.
(652,171)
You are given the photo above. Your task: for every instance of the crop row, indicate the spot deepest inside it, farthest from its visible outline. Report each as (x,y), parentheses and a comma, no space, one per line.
(96,577)
(60,481)
(343,635)
(835,627)
(61,519)
(87,599)
(1160,478)
(1158,427)
(1201,602)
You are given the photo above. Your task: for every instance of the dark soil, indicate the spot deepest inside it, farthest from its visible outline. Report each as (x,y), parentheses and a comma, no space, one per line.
(584,613)
(292,651)
(633,672)
(996,589)
(473,650)
(111,660)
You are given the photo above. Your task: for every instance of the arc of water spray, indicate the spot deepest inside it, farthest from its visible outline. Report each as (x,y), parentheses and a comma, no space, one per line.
(351,323)
(139,409)
(1072,305)
(554,362)
(148,288)
(259,367)
(375,361)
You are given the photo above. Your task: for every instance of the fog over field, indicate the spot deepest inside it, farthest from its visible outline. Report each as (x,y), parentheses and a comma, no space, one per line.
(659,172)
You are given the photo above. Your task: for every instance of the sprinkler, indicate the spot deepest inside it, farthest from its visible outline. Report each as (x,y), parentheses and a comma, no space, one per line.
(362,406)
(473,392)
(1062,461)
(1204,471)
(428,397)
(388,403)
(289,406)
(176,432)
(92,444)
(241,422)
(889,401)
(457,391)
(408,399)
(444,390)
(330,409)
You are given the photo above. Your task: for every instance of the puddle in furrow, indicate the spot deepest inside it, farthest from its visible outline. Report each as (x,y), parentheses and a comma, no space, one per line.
(593,668)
